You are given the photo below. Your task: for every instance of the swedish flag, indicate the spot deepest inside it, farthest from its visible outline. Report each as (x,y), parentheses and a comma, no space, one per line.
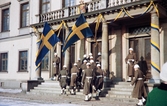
(47,41)
(79,31)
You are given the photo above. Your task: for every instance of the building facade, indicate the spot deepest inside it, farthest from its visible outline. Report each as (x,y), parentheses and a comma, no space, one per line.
(140,24)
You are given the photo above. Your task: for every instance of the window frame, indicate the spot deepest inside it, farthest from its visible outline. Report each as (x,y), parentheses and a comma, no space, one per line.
(69,3)
(43,60)
(41,6)
(19,64)
(21,14)
(3,19)
(6,59)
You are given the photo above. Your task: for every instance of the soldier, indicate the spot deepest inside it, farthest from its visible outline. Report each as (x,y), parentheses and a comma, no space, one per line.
(56,62)
(83,66)
(62,79)
(98,59)
(84,58)
(74,72)
(130,60)
(92,65)
(98,77)
(139,89)
(79,77)
(87,80)
(88,58)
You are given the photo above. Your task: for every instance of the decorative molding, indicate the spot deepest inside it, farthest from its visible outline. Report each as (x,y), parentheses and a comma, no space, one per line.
(4,5)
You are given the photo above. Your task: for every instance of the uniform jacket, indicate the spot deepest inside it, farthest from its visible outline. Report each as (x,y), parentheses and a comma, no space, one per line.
(56,68)
(87,81)
(83,66)
(62,79)
(98,77)
(139,88)
(79,64)
(74,72)
(158,96)
(131,65)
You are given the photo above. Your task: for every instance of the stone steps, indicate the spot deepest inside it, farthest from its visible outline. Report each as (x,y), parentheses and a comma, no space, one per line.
(118,91)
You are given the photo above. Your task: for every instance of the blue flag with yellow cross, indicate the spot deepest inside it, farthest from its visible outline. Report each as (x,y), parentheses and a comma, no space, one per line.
(80,30)
(47,41)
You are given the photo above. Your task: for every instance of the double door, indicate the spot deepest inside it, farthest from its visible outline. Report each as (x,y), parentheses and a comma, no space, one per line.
(142,48)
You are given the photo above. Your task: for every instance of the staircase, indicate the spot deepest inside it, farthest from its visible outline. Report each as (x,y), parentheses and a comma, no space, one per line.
(118,91)
(121,91)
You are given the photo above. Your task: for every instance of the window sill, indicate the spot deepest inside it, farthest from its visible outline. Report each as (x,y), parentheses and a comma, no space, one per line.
(5,31)
(22,71)
(24,27)
(3,71)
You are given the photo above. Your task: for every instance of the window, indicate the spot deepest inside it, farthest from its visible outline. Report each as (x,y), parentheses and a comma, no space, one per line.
(67,3)
(24,14)
(3,62)
(5,19)
(45,63)
(23,60)
(45,6)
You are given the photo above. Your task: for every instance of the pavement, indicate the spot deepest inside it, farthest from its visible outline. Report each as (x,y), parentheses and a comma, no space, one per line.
(10,97)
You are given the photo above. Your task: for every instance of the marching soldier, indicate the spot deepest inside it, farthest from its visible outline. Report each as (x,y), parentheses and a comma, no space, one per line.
(62,79)
(98,59)
(83,66)
(92,65)
(87,80)
(84,58)
(88,58)
(139,89)
(130,60)
(79,77)
(56,62)
(98,77)
(74,72)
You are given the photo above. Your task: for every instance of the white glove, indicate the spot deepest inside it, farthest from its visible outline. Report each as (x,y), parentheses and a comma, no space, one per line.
(128,62)
(132,59)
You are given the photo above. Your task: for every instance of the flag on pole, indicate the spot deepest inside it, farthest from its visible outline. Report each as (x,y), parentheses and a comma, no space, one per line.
(47,41)
(80,30)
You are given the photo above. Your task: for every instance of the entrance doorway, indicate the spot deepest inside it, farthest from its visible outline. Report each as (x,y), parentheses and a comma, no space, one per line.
(142,48)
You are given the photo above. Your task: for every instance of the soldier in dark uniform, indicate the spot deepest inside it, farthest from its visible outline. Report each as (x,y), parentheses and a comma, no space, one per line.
(130,60)
(88,58)
(79,77)
(139,89)
(143,65)
(98,77)
(87,80)
(98,59)
(62,79)
(74,73)
(56,62)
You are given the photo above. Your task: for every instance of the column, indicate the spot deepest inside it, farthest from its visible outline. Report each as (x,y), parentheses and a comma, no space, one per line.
(155,49)
(38,71)
(104,55)
(67,53)
(82,48)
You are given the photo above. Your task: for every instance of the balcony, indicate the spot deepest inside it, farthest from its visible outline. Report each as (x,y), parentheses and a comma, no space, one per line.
(93,7)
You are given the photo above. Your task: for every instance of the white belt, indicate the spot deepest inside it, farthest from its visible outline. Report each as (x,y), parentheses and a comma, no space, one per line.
(63,76)
(74,73)
(140,79)
(89,78)
(99,76)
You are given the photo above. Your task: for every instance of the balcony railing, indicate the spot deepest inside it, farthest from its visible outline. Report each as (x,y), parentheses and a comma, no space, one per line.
(112,3)
(74,10)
